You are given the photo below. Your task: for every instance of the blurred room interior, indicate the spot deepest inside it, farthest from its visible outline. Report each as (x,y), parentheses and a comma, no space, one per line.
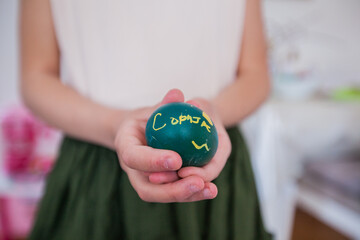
(304,142)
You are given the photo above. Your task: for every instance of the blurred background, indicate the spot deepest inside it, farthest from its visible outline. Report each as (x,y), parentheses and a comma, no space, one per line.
(304,141)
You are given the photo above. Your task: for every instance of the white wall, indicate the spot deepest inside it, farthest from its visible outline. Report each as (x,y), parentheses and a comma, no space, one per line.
(325,33)
(8,52)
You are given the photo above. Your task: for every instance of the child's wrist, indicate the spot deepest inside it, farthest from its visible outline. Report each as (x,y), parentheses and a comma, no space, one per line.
(112,122)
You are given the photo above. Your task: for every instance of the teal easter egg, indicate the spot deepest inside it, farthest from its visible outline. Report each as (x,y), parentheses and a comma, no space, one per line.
(185,129)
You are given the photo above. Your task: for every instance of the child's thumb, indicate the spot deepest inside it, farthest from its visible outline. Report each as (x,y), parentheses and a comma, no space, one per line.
(174,95)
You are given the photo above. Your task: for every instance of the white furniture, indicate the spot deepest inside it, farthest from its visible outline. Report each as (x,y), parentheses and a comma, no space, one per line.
(284,134)
(330,211)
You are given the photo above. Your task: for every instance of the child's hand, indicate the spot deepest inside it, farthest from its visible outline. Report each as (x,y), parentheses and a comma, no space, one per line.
(141,162)
(211,170)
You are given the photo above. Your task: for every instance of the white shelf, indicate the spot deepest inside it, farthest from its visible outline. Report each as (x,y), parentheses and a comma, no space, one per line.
(331,212)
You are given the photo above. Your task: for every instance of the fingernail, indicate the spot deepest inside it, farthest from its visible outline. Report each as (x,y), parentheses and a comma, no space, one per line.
(194,188)
(207,193)
(167,163)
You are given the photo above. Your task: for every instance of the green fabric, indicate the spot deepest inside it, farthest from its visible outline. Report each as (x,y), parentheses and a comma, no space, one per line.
(89,197)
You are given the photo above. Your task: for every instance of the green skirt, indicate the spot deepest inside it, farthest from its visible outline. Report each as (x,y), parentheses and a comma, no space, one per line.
(89,197)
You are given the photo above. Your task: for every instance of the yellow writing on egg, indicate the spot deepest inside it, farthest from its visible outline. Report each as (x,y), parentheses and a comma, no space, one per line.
(207,118)
(203,124)
(200,147)
(157,129)
(192,119)
(183,118)
(188,118)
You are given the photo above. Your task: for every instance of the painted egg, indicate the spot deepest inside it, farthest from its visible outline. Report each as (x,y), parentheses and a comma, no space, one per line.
(185,129)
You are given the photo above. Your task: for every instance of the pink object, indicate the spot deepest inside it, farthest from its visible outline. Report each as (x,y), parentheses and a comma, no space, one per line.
(4,221)
(28,149)
(17,217)
(19,136)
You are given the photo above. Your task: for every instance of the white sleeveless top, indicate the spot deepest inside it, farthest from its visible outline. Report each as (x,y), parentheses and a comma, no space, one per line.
(129,53)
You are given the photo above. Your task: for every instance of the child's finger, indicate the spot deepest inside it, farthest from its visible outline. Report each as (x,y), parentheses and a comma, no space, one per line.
(163,177)
(174,95)
(194,103)
(147,159)
(179,191)
(210,191)
(146,173)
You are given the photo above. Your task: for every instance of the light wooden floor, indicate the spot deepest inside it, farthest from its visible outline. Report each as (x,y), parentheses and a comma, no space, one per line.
(306,227)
